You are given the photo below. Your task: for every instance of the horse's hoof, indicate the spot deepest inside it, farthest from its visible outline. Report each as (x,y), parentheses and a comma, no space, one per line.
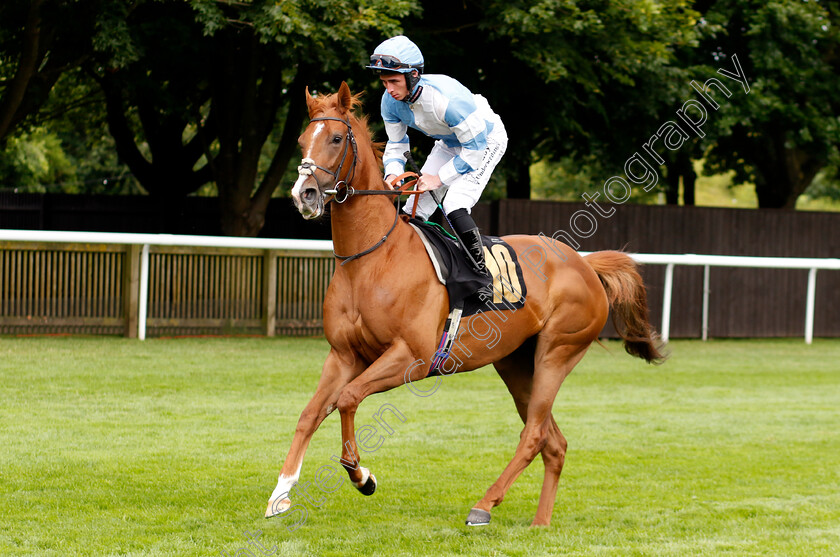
(369,486)
(278,506)
(478,517)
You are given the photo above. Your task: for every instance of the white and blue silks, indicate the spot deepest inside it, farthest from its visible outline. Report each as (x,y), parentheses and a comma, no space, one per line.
(471,140)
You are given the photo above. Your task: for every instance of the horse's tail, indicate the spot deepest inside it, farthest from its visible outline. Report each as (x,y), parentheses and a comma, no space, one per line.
(628,300)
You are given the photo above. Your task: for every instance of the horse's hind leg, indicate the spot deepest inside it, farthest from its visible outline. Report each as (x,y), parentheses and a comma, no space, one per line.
(517,371)
(534,400)
(553,455)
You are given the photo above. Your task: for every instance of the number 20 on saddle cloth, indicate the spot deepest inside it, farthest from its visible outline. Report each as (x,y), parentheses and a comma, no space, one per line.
(470,292)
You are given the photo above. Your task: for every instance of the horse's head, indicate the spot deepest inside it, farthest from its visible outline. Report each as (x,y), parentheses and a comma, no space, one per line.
(329,151)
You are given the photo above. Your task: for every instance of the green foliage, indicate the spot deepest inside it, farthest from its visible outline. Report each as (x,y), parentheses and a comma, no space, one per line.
(333,31)
(112,36)
(564,180)
(569,178)
(784,131)
(593,43)
(72,152)
(826,185)
(580,85)
(570,79)
(211,91)
(33,160)
(40,161)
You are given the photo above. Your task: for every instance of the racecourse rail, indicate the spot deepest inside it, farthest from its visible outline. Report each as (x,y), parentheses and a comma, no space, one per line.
(146,241)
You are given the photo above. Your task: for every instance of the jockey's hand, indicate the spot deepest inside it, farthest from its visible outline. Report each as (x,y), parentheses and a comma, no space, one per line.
(428,182)
(389,179)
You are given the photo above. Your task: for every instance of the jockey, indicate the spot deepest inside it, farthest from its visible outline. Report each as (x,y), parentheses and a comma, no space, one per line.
(471,138)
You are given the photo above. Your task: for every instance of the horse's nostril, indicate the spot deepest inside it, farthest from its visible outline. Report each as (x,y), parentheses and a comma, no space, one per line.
(309,195)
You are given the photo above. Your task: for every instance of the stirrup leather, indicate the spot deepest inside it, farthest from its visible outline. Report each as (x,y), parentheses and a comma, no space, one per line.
(450,333)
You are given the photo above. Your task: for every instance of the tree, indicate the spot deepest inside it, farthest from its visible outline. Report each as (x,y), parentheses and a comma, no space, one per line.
(826,184)
(786,129)
(210,91)
(39,41)
(205,84)
(569,78)
(44,144)
(32,159)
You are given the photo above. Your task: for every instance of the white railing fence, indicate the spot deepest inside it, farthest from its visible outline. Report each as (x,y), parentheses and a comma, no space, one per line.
(325,246)
(708,261)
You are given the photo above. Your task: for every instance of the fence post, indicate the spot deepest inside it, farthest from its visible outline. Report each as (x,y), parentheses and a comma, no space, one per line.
(270,292)
(143,298)
(706,291)
(809,306)
(666,302)
(131,289)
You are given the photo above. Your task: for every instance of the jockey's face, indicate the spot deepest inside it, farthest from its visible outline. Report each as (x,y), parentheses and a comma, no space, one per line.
(395,84)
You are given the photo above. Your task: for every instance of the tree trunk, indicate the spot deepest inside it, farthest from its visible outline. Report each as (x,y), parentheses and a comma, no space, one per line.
(519,178)
(680,167)
(243,207)
(689,182)
(237,218)
(30,60)
(672,187)
(783,173)
(170,174)
(253,219)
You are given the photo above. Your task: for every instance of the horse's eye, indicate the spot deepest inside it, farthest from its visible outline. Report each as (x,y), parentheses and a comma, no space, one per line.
(336,139)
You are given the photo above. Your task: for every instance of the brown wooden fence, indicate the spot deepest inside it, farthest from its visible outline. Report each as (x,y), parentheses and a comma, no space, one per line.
(742,302)
(49,288)
(92,289)
(86,288)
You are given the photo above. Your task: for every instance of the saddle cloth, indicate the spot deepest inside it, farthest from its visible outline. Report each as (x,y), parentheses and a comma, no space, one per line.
(464,285)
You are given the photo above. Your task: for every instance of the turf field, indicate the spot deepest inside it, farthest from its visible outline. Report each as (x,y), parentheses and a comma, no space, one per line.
(172,447)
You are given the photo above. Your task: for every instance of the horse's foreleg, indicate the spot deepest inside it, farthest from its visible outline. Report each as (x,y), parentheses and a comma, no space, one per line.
(334,377)
(384,374)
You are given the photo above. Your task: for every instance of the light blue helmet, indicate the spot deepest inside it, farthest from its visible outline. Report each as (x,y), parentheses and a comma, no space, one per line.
(397,54)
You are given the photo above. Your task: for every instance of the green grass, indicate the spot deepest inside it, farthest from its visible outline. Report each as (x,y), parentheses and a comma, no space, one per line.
(172,447)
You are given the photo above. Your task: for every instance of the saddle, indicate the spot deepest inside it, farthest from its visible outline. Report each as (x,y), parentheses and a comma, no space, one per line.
(470,292)
(468,289)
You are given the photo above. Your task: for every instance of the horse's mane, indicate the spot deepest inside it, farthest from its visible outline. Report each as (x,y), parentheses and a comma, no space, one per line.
(359,122)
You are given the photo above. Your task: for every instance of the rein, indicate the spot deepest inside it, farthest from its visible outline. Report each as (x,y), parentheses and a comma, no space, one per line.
(306,168)
(349,190)
(348,258)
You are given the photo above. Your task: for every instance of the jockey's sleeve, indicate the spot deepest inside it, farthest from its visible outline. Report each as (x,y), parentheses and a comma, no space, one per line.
(393,158)
(470,128)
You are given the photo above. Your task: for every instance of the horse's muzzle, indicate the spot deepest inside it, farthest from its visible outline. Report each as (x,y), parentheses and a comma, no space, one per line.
(309,201)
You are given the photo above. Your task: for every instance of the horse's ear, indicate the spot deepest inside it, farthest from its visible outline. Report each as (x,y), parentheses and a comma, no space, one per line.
(345,98)
(310,102)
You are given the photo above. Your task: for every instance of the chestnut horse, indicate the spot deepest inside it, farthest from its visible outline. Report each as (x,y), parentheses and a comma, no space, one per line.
(385,310)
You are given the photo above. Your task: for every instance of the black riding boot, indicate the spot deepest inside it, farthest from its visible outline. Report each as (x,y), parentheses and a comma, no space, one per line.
(467,231)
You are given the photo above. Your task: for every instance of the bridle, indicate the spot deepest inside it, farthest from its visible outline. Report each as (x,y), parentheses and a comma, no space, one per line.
(307,165)
(342,190)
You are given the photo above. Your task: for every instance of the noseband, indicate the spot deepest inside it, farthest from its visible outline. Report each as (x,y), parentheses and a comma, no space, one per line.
(307,165)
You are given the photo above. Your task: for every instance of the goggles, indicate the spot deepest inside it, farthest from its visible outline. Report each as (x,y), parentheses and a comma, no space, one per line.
(388,62)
